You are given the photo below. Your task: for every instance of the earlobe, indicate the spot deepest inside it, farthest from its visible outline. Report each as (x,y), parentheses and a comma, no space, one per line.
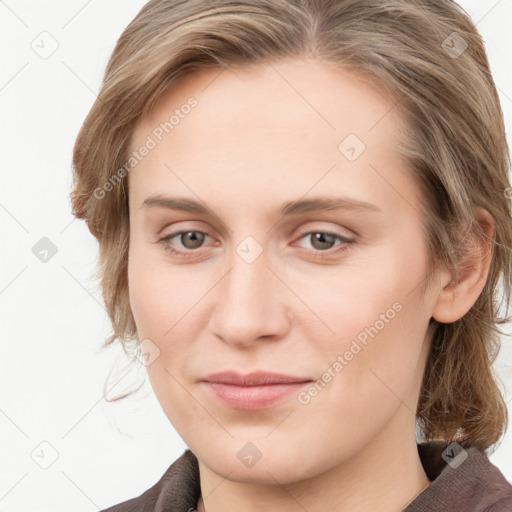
(459,293)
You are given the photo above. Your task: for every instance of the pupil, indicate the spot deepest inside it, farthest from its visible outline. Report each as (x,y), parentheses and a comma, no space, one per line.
(195,237)
(321,237)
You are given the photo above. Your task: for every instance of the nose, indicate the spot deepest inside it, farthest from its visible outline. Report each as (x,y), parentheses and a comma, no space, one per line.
(250,304)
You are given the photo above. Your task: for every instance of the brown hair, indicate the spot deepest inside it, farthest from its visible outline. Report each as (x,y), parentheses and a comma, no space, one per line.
(424,54)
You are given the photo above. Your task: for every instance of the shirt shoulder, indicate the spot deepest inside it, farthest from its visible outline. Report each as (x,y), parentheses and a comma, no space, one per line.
(504,505)
(462,480)
(177,490)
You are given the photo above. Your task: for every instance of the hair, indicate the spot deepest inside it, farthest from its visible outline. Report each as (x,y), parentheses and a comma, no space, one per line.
(453,139)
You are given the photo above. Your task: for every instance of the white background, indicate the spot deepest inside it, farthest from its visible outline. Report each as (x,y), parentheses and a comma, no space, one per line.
(53,320)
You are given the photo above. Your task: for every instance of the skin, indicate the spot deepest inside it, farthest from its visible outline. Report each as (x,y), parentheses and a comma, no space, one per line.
(259,137)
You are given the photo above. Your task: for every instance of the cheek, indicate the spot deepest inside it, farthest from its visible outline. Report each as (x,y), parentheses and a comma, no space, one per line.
(162,311)
(156,295)
(148,301)
(374,324)
(155,306)
(168,307)
(371,371)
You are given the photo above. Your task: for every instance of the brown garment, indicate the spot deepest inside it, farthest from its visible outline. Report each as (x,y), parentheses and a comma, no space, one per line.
(476,485)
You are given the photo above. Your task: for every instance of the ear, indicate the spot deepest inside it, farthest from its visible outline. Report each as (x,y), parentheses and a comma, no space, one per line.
(460,292)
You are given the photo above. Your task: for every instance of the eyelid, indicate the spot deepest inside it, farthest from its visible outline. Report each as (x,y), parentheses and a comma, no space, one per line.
(304,230)
(173,234)
(299,233)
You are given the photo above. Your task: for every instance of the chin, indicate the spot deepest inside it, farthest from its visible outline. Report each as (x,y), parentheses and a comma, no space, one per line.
(262,462)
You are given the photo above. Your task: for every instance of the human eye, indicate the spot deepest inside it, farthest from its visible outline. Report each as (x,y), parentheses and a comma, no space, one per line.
(323,243)
(190,239)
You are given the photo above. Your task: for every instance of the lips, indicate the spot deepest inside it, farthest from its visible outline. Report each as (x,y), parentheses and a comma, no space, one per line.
(254,391)
(254,379)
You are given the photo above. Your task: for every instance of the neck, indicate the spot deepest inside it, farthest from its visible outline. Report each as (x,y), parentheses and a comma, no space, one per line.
(386,475)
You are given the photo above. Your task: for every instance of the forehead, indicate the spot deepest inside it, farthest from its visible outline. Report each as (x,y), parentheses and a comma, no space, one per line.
(290,120)
(284,94)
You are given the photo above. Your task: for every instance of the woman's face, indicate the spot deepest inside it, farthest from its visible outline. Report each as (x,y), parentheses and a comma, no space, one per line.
(275,284)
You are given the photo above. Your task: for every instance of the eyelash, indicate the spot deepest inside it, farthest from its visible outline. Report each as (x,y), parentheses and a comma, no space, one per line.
(312,252)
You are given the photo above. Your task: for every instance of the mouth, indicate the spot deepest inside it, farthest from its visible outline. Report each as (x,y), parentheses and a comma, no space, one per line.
(254,391)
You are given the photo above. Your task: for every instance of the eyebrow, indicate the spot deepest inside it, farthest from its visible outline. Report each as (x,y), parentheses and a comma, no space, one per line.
(316,204)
